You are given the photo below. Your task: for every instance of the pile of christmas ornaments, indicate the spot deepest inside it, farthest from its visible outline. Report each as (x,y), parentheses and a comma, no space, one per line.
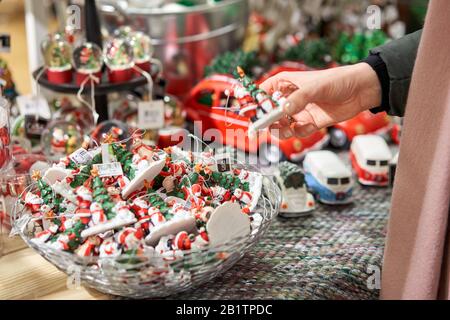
(126,55)
(116,200)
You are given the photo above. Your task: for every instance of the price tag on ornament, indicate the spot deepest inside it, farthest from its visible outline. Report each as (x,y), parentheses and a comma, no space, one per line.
(33,105)
(151,114)
(81,156)
(112,169)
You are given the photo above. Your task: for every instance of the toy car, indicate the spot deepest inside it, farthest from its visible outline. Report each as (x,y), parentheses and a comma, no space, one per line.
(328,178)
(342,134)
(370,156)
(209,104)
(296,200)
(396,131)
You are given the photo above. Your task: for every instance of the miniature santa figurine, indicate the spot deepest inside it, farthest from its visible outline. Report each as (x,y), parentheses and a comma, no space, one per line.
(202,214)
(123,211)
(141,149)
(242,196)
(140,209)
(122,182)
(33,202)
(242,174)
(248,106)
(66,224)
(114,194)
(130,238)
(58,141)
(84,197)
(84,200)
(89,247)
(98,215)
(178,169)
(220,194)
(62,242)
(179,209)
(109,248)
(140,163)
(182,241)
(193,192)
(45,235)
(156,217)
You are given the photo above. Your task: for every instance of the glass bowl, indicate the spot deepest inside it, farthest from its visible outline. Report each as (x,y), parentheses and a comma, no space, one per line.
(150,276)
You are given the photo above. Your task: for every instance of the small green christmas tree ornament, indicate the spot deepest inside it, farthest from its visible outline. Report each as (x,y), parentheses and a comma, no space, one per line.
(74,235)
(158,202)
(101,195)
(85,172)
(229,181)
(47,194)
(125,158)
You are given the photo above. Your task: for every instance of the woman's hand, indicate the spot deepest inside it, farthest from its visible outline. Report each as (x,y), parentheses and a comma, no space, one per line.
(318,99)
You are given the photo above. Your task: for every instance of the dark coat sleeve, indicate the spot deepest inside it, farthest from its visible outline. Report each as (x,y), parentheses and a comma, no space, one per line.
(394,64)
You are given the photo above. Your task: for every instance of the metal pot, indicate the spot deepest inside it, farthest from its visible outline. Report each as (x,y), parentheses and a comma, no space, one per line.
(185,39)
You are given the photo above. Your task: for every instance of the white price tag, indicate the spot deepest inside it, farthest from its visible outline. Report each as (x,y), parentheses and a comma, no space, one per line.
(109,169)
(81,156)
(33,105)
(151,114)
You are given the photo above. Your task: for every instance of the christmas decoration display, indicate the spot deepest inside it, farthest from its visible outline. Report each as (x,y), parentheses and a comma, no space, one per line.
(88,60)
(296,199)
(183,202)
(61,138)
(142,50)
(119,59)
(57,55)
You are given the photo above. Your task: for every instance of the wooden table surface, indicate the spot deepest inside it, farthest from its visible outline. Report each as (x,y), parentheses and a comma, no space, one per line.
(26,275)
